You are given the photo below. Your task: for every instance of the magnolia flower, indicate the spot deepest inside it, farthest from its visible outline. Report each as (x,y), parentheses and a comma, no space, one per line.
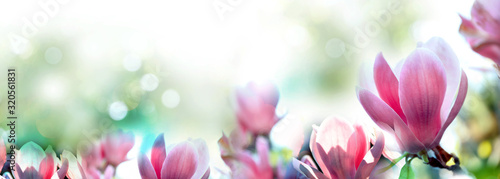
(417,100)
(256,107)
(115,146)
(341,150)
(188,159)
(242,163)
(78,171)
(483,30)
(34,163)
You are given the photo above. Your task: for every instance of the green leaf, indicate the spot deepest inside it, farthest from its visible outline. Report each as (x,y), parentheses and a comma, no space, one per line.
(407,171)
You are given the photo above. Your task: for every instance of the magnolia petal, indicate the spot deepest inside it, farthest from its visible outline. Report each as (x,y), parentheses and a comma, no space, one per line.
(422,89)
(307,170)
(158,154)
(371,158)
(207,174)
(74,167)
(387,85)
(485,14)
(30,155)
(181,161)
(145,167)
(333,145)
(109,172)
(459,101)
(51,152)
(263,151)
(63,170)
(315,152)
(361,144)
(452,67)
(203,158)
(47,167)
(379,110)
(309,161)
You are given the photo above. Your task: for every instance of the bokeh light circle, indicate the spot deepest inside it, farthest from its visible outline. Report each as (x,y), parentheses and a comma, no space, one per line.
(149,82)
(118,110)
(170,98)
(132,62)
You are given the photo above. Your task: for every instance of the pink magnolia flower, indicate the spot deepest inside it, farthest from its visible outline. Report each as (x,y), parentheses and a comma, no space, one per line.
(483,30)
(188,159)
(419,99)
(341,150)
(242,163)
(77,169)
(256,107)
(115,146)
(34,163)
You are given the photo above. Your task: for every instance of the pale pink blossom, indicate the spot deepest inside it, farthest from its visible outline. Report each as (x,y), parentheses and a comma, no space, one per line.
(341,150)
(35,163)
(482,31)
(188,159)
(256,105)
(418,99)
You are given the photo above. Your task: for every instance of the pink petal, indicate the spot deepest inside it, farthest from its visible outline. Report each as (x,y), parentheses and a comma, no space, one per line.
(422,90)
(263,152)
(47,167)
(203,157)
(383,115)
(158,154)
(29,173)
(109,172)
(315,152)
(266,90)
(181,162)
(387,85)
(116,146)
(485,14)
(309,161)
(145,167)
(63,170)
(207,174)
(362,144)
(3,152)
(452,67)
(306,170)
(371,158)
(459,101)
(335,149)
